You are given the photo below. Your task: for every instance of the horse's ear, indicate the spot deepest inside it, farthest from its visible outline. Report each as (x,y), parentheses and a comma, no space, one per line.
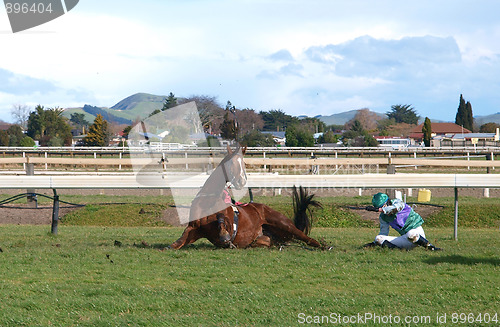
(244,149)
(229,149)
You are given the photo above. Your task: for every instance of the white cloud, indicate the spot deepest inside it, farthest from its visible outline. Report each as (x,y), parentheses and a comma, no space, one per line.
(291,55)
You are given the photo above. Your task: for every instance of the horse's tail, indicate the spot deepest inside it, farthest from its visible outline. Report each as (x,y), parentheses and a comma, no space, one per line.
(302,203)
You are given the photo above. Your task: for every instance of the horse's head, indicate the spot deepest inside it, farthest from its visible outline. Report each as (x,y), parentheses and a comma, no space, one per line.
(233,167)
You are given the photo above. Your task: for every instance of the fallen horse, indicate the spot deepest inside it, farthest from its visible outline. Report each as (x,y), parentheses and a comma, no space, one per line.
(258,225)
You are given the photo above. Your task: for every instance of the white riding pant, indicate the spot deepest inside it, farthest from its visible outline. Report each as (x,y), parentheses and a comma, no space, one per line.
(405,241)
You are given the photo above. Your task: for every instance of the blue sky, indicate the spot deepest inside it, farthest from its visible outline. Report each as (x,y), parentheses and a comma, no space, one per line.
(303,57)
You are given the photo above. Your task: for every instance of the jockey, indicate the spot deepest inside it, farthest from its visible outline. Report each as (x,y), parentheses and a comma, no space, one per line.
(400,216)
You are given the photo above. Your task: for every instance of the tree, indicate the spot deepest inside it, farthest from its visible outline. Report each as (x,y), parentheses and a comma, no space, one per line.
(228,128)
(470,117)
(98,133)
(357,136)
(4,138)
(312,124)
(20,113)
(27,142)
(126,131)
(170,102)
(298,136)
(44,124)
(276,120)
(248,120)
(329,137)
(254,138)
(489,128)
(209,110)
(367,118)
(427,130)
(464,115)
(403,114)
(78,119)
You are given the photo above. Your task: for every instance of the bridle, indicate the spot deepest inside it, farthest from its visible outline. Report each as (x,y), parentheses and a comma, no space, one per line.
(224,171)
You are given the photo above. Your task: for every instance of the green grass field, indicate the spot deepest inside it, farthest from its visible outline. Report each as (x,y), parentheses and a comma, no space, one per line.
(82,277)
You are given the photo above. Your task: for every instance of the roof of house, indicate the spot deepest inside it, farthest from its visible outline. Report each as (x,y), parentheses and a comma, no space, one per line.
(474,135)
(439,129)
(275,134)
(380,137)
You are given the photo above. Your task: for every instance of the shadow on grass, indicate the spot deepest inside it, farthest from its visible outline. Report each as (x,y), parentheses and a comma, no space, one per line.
(165,246)
(461,260)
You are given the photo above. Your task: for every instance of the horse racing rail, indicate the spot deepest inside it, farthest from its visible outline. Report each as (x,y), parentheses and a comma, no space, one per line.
(255,181)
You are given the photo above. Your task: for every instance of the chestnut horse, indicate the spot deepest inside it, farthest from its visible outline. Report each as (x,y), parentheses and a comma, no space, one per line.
(258,224)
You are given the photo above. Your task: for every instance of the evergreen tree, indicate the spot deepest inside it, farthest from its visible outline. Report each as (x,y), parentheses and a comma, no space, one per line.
(228,128)
(98,133)
(276,120)
(427,130)
(298,136)
(403,114)
(170,102)
(464,115)
(460,118)
(78,119)
(468,115)
(45,124)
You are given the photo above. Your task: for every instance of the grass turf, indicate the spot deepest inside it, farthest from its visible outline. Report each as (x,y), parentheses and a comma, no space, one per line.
(81,278)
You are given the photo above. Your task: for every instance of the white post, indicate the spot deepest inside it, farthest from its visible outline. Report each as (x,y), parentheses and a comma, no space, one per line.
(120,166)
(486,193)
(46,165)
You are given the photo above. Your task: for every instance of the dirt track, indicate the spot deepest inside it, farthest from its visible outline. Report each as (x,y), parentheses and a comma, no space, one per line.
(22,214)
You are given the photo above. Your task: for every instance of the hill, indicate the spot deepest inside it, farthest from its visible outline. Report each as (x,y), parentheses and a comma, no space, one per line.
(138,105)
(343,117)
(494,118)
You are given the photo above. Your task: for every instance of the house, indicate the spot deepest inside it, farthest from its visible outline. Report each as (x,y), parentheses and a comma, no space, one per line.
(439,130)
(473,139)
(393,142)
(279,137)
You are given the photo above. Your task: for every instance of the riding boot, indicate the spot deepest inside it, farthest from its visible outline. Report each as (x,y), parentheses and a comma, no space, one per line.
(422,241)
(371,245)
(389,245)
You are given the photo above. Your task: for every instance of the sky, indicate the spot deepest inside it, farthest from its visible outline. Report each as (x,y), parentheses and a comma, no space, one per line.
(314,57)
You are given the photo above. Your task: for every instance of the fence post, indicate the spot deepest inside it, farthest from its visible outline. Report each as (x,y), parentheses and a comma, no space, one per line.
(31,198)
(55,213)
(455,225)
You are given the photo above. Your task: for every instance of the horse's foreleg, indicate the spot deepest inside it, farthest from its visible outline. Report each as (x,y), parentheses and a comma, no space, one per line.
(262,241)
(190,235)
